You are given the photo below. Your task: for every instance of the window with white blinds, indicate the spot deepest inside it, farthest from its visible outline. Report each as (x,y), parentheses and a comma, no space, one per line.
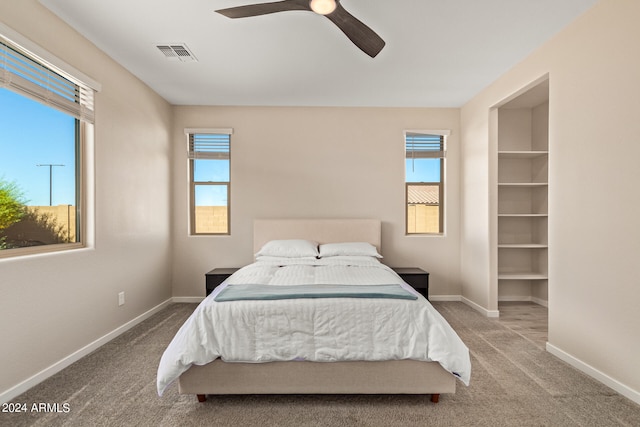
(424,146)
(209,154)
(47,117)
(213,146)
(24,74)
(424,181)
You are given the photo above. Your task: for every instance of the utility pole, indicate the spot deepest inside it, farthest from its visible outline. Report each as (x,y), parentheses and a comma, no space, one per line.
(51,166)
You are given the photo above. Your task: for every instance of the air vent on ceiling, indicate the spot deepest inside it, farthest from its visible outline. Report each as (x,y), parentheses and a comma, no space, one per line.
(177,51)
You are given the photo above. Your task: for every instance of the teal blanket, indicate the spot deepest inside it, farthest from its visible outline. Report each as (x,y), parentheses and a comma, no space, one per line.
(272,292)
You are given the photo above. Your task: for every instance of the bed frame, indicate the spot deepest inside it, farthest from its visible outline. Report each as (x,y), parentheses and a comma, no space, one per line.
(359,377)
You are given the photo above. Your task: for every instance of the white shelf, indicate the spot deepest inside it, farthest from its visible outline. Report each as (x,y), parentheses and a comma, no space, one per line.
(522,246)
(522,184)
(512,154)
(522,276)
(523,215)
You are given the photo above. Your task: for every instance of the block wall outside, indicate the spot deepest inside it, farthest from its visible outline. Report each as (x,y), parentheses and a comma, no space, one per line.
(423,219)
(64,216)
(211,219)
(46,225)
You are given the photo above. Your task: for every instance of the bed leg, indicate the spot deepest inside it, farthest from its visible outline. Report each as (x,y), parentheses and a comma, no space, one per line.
(201,397)
(435,398)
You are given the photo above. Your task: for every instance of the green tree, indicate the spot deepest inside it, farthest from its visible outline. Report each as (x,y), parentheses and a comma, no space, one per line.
(12,204)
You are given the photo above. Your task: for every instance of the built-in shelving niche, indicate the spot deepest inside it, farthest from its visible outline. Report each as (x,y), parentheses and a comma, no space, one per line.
(522,194)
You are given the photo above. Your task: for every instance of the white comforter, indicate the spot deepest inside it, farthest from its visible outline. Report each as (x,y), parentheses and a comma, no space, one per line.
(319,330)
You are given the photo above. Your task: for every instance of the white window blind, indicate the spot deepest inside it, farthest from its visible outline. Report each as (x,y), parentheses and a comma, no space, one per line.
(209,143)
(22,73)
(424,146)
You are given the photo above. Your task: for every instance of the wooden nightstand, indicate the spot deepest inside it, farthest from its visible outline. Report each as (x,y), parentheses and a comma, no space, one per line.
(216,276)
(416,277)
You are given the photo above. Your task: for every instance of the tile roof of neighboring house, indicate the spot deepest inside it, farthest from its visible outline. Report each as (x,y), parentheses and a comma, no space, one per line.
(423,194)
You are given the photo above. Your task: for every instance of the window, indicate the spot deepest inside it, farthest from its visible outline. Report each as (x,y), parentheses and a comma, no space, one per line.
(209,171)
(45,117)
(424,181)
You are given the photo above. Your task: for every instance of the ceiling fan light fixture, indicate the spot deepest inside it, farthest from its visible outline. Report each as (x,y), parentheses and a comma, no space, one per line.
(323,7)
(361,35)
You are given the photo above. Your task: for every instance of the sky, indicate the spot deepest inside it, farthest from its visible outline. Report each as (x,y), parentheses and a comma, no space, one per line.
(422,170)
(32,133)
(215,171)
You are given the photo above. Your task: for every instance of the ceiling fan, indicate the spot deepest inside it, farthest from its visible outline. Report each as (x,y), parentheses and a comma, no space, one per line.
(361,35)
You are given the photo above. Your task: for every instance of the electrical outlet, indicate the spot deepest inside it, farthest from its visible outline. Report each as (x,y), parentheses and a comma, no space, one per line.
(121,298)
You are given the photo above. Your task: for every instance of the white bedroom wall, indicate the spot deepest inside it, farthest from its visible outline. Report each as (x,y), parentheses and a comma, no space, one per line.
(315,163)
(594,203)
(54,305)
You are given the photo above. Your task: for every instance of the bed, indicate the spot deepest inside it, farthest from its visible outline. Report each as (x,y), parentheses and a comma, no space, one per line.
(282,345)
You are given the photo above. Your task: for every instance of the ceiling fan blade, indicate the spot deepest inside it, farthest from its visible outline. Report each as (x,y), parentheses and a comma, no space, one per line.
(361,35)
(264,8)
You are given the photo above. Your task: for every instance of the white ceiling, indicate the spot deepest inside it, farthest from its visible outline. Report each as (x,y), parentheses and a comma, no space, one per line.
(438,53)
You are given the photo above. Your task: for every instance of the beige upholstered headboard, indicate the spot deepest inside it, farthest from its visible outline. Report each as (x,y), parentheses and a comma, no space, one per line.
(319,230)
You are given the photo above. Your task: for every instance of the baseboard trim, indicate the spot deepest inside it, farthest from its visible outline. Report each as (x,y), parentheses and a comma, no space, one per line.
(542,302)
(481,309)
(594,373)
(445,298)
(189,300)
(36,379)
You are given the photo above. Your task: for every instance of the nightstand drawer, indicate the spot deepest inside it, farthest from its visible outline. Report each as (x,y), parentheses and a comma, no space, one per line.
(215,277)
(416,277)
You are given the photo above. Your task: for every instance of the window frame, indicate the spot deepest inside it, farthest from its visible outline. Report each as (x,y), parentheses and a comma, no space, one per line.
(443,134)
(84,136)
(191,157)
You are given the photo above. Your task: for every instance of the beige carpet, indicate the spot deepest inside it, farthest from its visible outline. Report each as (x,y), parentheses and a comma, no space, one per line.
(514,382)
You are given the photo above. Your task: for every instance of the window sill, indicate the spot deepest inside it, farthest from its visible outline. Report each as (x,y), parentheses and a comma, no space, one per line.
(38,250)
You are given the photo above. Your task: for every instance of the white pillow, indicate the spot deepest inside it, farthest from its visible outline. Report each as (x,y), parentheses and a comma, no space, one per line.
(293,248)
(348,260)
(348,249)
(290,260)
